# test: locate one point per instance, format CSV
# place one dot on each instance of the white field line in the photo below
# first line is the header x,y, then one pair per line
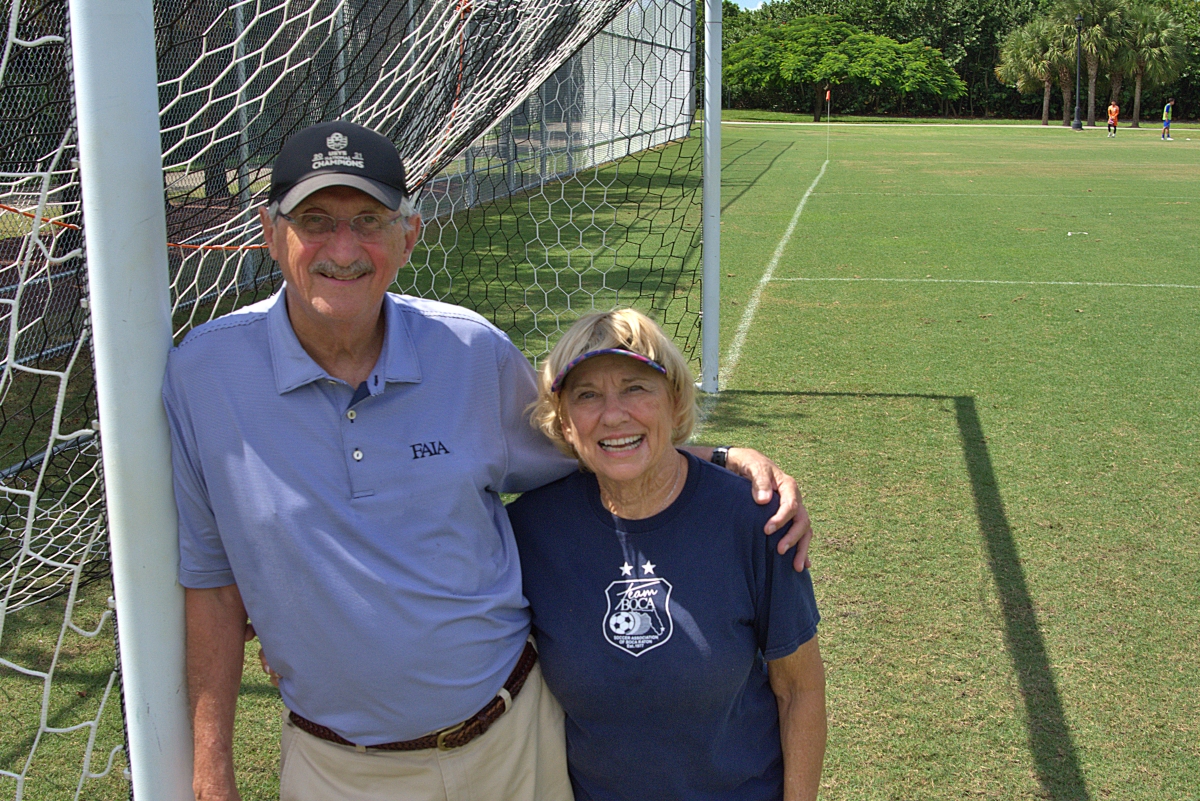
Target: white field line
x,y
729,363
987,281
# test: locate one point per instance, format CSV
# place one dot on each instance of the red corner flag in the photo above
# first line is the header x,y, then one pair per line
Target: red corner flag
x,y
826,95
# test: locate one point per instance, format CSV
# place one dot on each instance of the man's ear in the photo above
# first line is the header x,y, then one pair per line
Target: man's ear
x,y
414,233
268,231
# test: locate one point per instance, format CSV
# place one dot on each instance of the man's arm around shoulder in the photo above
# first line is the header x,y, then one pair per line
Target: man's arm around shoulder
x,y
766,479
216,631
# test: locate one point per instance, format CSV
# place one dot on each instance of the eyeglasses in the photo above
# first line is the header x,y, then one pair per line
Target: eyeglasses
x,y
315,226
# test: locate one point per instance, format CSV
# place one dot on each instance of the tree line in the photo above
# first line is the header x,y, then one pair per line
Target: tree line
x,y
914,38
809,56
1122,40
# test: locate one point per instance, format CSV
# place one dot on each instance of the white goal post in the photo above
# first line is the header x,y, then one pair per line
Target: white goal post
x,y
126,246
711,336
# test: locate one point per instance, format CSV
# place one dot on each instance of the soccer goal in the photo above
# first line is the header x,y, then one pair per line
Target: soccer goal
x,y
552,146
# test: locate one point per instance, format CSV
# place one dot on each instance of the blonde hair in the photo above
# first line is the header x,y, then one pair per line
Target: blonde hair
x,y
627,329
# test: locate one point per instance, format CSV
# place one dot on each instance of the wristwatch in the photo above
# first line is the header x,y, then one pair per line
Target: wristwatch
x,y
719,455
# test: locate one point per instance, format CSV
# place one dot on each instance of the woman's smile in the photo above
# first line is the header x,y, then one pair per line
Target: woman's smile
x,y
621,444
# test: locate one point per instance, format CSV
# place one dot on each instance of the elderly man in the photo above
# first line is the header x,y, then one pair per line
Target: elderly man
x,y
339,453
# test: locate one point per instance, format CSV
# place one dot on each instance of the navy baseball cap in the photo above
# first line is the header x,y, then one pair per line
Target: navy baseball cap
x,y
336,154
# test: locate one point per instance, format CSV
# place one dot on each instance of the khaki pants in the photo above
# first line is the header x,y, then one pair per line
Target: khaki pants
x,y
522,757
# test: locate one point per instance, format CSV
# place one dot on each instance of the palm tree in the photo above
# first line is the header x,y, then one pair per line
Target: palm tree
x,y
1103,21
1120,65
1027,61
1154,47
1061,37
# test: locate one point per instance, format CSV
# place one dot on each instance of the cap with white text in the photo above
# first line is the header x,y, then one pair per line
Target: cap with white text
x,y
336,154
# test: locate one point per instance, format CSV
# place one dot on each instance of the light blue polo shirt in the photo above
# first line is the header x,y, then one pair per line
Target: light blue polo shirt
x,y
367,539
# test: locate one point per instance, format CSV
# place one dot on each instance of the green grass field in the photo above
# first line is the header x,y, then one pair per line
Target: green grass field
x,y
994,424
1002,476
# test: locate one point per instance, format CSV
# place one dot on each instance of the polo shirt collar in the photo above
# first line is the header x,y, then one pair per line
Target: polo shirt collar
x,y
399,356
294,367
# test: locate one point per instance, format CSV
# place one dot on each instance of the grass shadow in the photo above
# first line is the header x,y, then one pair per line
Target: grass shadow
x,y
748,185
1049,736
1056,760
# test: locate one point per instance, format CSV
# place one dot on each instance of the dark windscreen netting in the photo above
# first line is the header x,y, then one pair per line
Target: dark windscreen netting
x,y
49,502
56,649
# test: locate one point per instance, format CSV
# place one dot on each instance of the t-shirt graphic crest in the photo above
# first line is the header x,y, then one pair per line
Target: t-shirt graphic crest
x,y
638,617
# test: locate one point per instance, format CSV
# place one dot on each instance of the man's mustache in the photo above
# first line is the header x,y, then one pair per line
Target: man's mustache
x,y
341,272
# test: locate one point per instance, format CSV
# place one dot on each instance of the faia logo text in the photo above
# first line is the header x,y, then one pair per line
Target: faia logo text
x,y
422,450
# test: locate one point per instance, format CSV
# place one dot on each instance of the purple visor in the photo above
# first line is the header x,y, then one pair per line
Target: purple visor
x,y
571,365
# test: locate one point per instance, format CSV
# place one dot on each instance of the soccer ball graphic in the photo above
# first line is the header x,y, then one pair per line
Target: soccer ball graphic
x,y
629,623
337,141
623,622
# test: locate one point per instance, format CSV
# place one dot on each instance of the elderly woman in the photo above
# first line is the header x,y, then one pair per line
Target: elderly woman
x,y
682,647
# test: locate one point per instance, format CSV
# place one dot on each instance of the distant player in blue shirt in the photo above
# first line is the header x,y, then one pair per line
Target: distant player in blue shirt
x,y
680,643
1167,109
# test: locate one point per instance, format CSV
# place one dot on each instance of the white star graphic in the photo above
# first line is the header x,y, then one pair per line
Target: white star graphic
x,y
648,568
626,569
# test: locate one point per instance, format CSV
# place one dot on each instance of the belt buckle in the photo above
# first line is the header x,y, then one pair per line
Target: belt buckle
x,y
441,736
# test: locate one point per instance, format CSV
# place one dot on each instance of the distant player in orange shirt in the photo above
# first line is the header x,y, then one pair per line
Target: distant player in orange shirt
x,y
1113,111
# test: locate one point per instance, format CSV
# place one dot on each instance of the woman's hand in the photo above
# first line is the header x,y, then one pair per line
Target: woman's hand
x,y
766,478
262,656
798,681
271,674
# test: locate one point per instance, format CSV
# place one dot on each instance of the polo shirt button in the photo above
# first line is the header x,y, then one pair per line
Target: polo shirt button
x,y
351,414
357,455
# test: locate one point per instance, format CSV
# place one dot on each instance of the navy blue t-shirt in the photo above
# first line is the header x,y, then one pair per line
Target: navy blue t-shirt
x,y
653,633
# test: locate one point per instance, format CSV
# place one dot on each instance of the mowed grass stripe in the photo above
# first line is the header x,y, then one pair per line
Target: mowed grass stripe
x,y
1089,404
991,281
1041,196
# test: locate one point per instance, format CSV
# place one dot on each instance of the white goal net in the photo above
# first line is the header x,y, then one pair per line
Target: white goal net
x,y
549,141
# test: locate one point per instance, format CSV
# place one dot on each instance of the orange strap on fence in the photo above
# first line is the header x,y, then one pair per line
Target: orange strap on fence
x,y
74,227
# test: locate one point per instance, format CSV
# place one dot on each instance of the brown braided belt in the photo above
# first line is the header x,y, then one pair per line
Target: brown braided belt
x,y
454,736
